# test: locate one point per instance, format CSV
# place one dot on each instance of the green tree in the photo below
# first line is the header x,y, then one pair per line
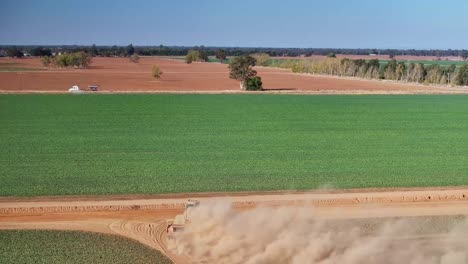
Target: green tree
x,y
202,55
241,69
40,52
255,84
14,52
461,77
192,55
356,65
464,54
83,59
130,50
221,55
78,59
331,55
93,51
363,69
373,69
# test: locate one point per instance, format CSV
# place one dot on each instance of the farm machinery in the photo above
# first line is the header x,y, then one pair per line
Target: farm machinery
x,y
179,221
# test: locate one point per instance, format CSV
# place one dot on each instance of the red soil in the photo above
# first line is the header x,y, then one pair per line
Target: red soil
x,y
120,75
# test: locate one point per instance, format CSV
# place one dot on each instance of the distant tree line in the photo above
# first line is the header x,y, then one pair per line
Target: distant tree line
x,y
161,50
373,69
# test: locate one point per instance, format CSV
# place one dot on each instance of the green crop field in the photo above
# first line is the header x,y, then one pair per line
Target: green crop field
x,y
442,63
275,62
148,144
49,247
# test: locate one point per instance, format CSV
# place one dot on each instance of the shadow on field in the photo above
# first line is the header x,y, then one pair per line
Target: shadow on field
x,y
279,89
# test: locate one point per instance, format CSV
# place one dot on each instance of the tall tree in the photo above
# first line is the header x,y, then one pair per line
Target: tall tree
x,y
464,54
390,70
241,69
40,52
93,50
221,55
192,55
434,74
130,50
203,55
420,72
450,72
400,71
461,77
14,52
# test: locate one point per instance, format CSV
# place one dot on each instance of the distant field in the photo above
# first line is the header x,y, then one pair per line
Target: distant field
x,y
147,144
37,247
442,63
277,62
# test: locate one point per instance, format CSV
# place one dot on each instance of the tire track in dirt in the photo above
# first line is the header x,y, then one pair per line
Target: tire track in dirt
x,y
149,233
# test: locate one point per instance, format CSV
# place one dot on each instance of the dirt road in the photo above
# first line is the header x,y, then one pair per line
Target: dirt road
x,y
144,218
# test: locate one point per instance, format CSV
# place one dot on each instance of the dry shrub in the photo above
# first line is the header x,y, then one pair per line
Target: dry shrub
x,y
156,72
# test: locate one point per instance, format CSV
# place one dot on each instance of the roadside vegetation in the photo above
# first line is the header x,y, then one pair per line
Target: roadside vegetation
x,y
126,144
47,246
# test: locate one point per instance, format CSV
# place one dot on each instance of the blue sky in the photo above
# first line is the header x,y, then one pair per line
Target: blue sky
x,y
419,24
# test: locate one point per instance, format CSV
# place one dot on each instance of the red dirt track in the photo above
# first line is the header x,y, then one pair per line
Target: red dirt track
x,y
120,75
144,219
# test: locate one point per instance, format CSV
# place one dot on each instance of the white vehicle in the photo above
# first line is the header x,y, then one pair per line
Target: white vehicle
x,y
75,89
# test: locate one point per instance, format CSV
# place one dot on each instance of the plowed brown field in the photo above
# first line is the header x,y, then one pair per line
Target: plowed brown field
x,y
120,75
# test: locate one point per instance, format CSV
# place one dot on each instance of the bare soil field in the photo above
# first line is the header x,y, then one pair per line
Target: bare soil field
x,y
120,75
144,219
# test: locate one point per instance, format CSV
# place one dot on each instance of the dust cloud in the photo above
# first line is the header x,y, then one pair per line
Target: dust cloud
x,y
219,234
